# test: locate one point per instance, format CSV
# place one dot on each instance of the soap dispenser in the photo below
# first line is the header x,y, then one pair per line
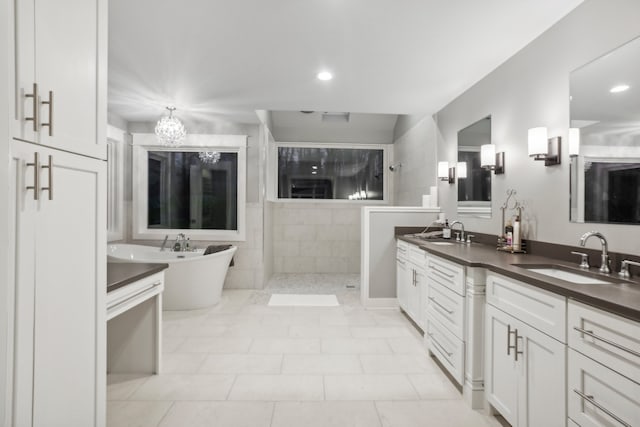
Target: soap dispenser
x,y
446,230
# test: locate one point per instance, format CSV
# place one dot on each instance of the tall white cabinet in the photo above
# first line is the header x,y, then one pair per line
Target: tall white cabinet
x,y
56,176
60,75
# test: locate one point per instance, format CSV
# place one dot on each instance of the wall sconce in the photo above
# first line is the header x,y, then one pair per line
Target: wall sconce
x,y
462,170
491,160
541,147
445,173
574,142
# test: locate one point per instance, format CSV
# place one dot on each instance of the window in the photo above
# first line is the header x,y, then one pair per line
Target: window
x,y
197,189
321,172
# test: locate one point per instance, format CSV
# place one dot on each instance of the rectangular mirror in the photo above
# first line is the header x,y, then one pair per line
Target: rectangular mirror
x,y
604,138
474,190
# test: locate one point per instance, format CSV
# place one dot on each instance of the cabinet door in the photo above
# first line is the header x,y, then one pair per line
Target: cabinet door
x,y
542,379
70,295
413,303
22,283
402,274
501,374
61,46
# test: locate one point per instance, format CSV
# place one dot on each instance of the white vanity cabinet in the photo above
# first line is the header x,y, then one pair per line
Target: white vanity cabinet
x,y
454,310
603,368
58,289
410,281
525,353
60,56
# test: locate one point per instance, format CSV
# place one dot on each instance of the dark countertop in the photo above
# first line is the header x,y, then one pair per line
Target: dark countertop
x,y
120,274
620,297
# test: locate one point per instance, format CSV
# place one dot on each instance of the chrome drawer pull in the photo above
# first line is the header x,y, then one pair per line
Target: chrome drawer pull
x,y
50,104
509,346
440,305
50,170
591,400
440,346
604,340
450,276
34,118
36,176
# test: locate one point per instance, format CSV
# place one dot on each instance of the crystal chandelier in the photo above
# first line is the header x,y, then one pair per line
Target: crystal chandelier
x,y
170,130
210,157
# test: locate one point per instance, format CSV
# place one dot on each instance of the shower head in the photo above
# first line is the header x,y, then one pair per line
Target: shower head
x,y
394,167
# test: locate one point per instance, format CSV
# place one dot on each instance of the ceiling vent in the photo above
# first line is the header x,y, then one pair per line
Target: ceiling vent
x,y
335,117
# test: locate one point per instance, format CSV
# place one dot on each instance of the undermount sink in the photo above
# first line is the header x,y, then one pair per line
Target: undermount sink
x,y
562,274
441,243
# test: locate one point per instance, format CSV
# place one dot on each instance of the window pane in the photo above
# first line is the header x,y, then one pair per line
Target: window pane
x,y
330,173
185,192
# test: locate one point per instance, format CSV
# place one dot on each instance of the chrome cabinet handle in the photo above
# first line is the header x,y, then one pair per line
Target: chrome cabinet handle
x,y
34,118
516,346
414,277
591,400
509,346
36,176
435,301
440,346
606,341
50,170
50,104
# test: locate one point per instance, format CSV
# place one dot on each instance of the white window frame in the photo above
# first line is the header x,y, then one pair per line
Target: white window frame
x,y
273,171
143,143
115,183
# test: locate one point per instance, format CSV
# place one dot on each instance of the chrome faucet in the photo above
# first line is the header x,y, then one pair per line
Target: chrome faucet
x,y
164,243
461,229
604,264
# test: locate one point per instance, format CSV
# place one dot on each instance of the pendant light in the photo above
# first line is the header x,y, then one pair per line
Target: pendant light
x,y
169,130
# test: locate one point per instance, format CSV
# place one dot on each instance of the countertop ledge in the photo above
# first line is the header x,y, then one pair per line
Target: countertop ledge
x,y
120,274
621,297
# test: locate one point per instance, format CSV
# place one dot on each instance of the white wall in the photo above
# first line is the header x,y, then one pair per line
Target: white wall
x,y
416,150
532,89
316,237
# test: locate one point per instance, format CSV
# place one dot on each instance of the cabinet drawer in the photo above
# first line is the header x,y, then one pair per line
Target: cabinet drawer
x,y
448,274
598,396
447,307
417,256
537,307
612,340
446,347
401,249
128,296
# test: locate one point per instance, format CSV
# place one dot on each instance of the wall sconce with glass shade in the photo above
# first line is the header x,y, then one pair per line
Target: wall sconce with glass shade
x,y
491,160
445,173
574,142
541,147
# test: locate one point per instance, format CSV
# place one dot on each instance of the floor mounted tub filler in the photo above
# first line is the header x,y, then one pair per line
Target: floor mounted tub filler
x,y
192,281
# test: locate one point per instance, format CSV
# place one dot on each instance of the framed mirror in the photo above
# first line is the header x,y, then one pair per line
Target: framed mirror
x,y
474,189
604,138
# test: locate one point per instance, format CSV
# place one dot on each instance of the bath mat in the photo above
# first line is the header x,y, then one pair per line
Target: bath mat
x,y
301,300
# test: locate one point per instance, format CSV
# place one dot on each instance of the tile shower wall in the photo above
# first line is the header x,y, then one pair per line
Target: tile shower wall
x,y
316,238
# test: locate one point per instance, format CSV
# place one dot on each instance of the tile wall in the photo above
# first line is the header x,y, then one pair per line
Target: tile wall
x,y
316,238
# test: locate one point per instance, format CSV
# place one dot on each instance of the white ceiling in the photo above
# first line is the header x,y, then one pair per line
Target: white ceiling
x,y
223,59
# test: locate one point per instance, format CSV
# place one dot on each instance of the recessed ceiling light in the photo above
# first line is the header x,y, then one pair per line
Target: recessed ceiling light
x,y
324,75
314,172
619,88
314,167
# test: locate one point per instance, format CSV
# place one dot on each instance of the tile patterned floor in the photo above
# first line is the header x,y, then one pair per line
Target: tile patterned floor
x,y
243,363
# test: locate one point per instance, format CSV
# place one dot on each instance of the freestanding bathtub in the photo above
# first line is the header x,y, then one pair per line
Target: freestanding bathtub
x,y
192,281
